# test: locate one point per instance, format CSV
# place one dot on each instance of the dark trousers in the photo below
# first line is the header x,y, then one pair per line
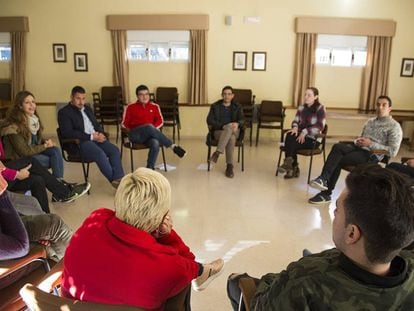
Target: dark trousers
x,y
399,167
340,156
292,146
234,292
40,179
151,137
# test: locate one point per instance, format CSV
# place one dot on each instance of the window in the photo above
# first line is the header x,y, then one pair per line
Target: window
x,y
158,46
5,48
342,51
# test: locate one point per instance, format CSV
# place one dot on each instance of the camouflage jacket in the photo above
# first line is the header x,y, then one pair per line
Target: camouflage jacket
x,y
330,281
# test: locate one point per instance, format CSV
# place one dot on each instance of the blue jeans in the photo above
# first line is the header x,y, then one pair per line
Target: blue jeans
x,y
51,158
151,137
106,156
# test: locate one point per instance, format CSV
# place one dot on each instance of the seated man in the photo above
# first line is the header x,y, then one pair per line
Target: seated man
x,y
374,220
380,132
17,232
77,121
132,256
225,118
406,168
143,118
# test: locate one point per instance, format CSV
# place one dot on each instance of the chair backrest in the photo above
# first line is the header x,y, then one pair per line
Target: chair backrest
x,y
246,99
108,108
273,110
39,300
167,99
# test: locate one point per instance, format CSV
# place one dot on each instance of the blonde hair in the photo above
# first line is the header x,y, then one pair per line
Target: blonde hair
x,y
143,199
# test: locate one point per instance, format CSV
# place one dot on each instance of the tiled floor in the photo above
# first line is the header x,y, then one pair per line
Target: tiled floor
x,y
256,221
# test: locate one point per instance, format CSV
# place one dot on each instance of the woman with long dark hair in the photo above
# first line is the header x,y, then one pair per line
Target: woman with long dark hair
x,y
309,121
22,135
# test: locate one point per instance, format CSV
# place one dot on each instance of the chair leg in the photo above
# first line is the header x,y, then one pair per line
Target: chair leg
x,y
242,152
278,162
251,133
117,133
310,168
208,158
178,131
257,133
173,133
163,158
238,154
132,159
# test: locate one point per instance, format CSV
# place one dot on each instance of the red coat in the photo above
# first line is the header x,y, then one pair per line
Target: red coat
x,y
138,114
109,261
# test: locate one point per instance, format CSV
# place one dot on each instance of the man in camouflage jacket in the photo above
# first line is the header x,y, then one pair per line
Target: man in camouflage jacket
x,y
374,220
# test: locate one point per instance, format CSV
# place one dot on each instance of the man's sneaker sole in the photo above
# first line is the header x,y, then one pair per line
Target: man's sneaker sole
x,y
324,201
78,195
207,282
318,186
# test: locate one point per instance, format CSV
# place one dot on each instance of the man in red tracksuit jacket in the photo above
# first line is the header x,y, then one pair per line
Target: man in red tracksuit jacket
x,y
143,118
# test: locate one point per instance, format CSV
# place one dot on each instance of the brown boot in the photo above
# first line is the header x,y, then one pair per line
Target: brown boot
x,y
229,171
214,157
292,173
286,166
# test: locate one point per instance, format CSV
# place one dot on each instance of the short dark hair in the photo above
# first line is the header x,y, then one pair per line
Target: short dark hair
x,y
77,89
227,87
380,202
140,88
386,98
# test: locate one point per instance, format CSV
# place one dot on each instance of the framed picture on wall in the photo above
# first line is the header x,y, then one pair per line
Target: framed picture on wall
x,y
59,52
239,60
259,61
407,67
80,61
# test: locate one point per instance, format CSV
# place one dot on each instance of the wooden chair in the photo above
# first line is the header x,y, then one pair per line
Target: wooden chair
x,y
108,107
30,268
167,99
211,142
246,99
269,113
318,148
125,142
74,157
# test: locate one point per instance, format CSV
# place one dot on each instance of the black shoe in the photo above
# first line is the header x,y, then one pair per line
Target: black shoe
x,y
229,171
77,191
70,185
179,151
320,198
319,183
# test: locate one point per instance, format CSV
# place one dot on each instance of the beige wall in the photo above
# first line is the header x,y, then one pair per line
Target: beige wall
x,y
81,25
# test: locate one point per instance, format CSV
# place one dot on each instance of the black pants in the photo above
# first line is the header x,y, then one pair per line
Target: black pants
x,y
292,146
40,179
340,156
399,167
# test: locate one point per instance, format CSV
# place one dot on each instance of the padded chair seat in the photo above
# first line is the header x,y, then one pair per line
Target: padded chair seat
x,y
270,119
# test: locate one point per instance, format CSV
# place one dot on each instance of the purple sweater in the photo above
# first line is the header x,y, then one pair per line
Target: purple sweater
x,y
14,241
309,122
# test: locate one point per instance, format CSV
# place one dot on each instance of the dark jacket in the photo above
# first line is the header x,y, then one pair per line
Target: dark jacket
x,y
71,122
215,118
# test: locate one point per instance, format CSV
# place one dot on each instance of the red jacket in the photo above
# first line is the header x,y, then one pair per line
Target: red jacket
x,y
138,114
109,261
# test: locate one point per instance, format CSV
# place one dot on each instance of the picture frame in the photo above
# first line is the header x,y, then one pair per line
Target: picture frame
x,y
239,60
80,61
259,61
407,67
59,52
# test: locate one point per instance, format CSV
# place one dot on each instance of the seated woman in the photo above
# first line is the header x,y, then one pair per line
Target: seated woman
x,y
309,121
132,256
28,174
22,135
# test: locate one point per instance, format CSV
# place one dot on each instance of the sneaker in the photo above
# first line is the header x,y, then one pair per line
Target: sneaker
x,y
211,271
229,171
115,183
214,157
319,183
77,191
286,166
179,151
320,198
